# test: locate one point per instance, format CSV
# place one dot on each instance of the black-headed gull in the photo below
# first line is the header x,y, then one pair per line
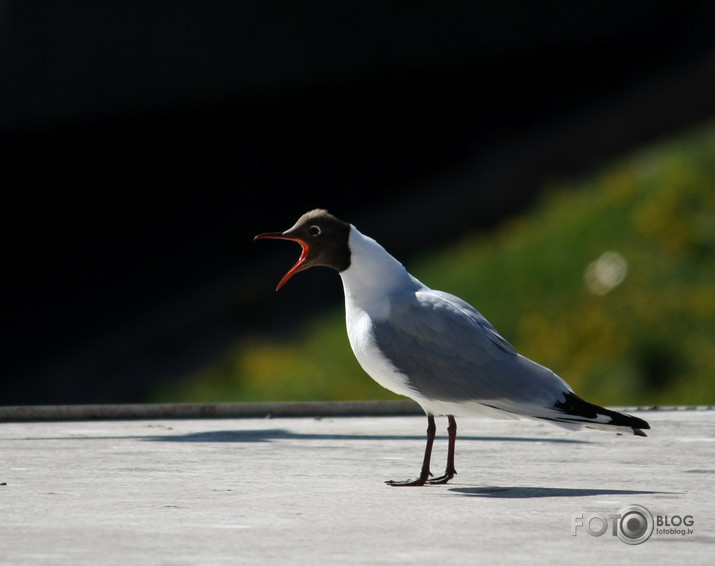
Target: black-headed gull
x,y
434,347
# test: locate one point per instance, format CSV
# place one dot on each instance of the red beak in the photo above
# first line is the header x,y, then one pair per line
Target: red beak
x,y
299,264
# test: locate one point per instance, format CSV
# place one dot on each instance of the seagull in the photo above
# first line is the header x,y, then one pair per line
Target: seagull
x,y
432,346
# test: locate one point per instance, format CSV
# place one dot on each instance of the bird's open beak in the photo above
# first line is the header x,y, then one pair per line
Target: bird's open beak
x,y
300,264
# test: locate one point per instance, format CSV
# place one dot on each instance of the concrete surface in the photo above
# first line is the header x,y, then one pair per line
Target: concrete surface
x,y
311,491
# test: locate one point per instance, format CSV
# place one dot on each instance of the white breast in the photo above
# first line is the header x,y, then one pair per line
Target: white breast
x,y
369,355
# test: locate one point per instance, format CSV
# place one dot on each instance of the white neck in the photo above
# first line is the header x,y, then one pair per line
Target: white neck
x,y
373,276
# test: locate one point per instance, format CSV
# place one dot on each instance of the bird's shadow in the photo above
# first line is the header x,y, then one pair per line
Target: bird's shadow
x,y
268,435
529,492
276,434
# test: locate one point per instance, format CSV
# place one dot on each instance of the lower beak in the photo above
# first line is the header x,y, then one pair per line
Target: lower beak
x,y
301,260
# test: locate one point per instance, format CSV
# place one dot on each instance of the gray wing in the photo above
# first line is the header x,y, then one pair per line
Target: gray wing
x,y
449,352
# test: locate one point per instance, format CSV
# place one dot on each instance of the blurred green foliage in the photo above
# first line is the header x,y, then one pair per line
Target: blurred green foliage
x,y
609,281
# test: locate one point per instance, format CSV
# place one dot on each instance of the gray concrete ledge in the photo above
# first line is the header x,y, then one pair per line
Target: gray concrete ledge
x,y
28,413
206,410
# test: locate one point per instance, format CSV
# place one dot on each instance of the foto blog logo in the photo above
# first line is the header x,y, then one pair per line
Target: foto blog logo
x,y
633,524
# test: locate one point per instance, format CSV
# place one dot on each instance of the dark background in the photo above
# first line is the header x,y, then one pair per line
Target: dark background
x,y
144,144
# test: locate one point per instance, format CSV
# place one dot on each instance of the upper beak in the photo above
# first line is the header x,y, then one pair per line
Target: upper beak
x,y
301,260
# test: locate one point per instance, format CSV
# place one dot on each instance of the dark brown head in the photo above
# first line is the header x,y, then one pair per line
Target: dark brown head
x,y
324,239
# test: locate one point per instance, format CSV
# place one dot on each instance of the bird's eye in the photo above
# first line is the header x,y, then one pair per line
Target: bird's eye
x,y
314,230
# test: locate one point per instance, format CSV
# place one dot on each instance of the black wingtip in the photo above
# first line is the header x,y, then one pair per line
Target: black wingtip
x,y
575,406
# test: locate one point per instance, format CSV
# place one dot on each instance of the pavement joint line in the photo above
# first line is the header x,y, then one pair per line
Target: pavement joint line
x,y
302,409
